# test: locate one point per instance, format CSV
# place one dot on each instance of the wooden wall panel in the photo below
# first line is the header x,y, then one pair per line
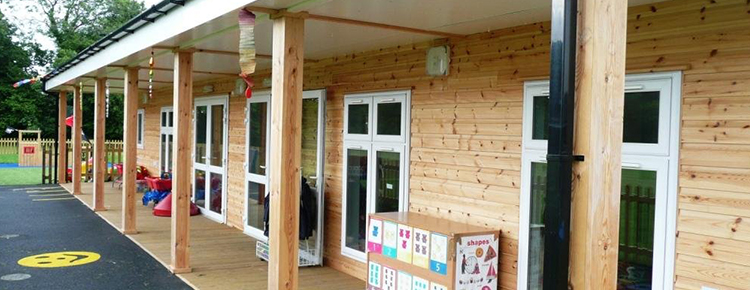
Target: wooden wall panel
x,y
466,128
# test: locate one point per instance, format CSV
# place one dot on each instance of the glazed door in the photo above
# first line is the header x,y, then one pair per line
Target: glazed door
x,y
258,148
258,142
166,138
209,163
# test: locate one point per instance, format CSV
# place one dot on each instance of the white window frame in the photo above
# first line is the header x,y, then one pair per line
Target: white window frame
x,y
169,130
662,157
207,167
372,143
140,119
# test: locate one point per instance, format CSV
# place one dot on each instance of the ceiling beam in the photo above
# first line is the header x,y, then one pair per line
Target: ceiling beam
x,y
172,70
274,13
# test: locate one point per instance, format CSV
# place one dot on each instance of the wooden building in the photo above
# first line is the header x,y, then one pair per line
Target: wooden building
x,y
343,95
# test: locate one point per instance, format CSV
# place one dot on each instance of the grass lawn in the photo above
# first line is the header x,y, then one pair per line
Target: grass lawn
x,y
21,176
9,158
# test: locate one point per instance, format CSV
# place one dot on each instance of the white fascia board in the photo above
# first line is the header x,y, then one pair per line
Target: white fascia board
x,y
178,20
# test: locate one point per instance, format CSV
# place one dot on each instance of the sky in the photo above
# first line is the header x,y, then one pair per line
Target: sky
x,y
12,9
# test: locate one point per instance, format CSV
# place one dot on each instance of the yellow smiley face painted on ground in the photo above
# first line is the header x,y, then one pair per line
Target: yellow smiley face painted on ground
x,y
59,259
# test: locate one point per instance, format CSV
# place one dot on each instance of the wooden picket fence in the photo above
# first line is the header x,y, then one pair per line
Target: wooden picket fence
x,y
112,150
8,146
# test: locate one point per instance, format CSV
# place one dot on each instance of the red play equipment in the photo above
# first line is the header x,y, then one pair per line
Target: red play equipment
x,y
164,207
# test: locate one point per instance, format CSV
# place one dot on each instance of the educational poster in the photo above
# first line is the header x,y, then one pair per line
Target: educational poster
x,y
476,263
421,256
375,236
438,253
390,239
404,281
373,275
404,243
436,286
419,283
389,278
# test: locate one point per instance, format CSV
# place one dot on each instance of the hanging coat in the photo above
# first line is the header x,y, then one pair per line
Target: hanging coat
x,y
308,212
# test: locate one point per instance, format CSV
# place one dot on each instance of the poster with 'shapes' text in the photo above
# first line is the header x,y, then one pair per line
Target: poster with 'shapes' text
x,y
375,236
476,263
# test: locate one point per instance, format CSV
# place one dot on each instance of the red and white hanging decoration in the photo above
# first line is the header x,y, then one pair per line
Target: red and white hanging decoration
x,y
247,49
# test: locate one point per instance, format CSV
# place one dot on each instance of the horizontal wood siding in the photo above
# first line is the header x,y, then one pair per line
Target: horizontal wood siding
x,y
466,130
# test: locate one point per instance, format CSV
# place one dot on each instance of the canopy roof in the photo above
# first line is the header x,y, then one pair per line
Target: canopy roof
x,y
212,25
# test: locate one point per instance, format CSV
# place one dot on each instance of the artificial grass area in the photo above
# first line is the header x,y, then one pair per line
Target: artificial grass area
x,y
21,176
9,158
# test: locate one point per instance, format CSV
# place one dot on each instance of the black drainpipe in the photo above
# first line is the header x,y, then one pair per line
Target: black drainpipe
x,y
560,144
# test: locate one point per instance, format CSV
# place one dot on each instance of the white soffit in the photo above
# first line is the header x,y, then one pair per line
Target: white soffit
x,y
199,19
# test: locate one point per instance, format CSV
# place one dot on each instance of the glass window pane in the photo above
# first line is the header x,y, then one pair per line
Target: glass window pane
x,y
217,135
201,113
358,119
170,119
163,151
256,196
140,129
199,194
258,138
540,115
216,192
389,119
169,152
163,119
310,140
637,210
641,118
356,198
388,178
536,225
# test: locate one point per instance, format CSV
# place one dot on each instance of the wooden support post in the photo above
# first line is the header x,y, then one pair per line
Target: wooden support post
x,y
286,122
62,133
600,95
100,159
183,106
130,104
77,139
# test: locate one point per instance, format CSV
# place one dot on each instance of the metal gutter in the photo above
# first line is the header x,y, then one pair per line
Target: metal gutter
x,y
139,21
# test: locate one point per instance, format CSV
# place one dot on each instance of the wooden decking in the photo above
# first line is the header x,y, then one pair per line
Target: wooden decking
x,y
221,257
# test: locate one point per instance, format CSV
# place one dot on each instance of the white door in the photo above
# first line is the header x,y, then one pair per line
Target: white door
x,y
210,151
258,142
166,138
258,146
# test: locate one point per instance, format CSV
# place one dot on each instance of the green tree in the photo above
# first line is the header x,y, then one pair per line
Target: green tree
x,y
73,25
24,107
76,24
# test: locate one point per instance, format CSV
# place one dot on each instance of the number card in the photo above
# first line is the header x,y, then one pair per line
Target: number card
x,y
389,278
373,276
421,256
375,236
404,243
390,239
438,253
419,283
404,281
